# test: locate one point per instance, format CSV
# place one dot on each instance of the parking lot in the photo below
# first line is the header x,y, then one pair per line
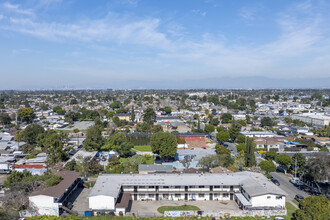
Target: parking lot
x,y
149,208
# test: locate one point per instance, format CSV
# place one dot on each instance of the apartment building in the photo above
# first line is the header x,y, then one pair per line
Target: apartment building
x,y
249,190
315,119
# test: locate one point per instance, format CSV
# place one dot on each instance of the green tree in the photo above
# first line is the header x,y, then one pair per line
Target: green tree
x,y
149,116
270,155
313,207
4,118
222,150
226,118
116,104
26,114
241,147
54,149
132,114
144,127
117,139
30,133
249,154
59,110
240,139
284,160
168,110
223,136
164,144
209,128
299,160
267,166
157,128
72,165
73,102
266,121
124,149
94,140
317,167
234,131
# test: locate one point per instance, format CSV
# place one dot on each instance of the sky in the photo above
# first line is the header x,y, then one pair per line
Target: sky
x,y
160,44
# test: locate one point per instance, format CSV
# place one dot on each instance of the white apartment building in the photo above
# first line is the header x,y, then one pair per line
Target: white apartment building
x,y
112,192
315,119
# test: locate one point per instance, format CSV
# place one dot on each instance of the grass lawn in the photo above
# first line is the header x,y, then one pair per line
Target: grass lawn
x,y
290,209
296,202
143,148
162,209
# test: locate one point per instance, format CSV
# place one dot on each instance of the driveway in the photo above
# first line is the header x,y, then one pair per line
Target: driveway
x,y
288,187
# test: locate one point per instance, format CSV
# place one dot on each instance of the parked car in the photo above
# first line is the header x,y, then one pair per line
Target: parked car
x,y
279,218
296,181
298,197
158,160
275,181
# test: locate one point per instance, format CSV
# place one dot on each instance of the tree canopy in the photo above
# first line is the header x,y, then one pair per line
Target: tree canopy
x,y
223,136
267,166
313,207
26,114
164,144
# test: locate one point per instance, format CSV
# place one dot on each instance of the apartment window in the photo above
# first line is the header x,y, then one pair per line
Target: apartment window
x,y
216,195
142,187
216,187
201,195
278,197
151,196
201,186
165,187
177,187
268,197
192,187
226,195
225,187
177,195
151,187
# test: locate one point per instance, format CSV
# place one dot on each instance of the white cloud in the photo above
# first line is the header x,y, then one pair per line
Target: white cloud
x,y
17,9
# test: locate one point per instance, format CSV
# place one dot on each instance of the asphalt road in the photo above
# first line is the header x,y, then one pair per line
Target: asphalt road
x,y
232,147
288,187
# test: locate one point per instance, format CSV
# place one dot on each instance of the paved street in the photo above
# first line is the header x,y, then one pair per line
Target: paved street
x,y
287,186
232,147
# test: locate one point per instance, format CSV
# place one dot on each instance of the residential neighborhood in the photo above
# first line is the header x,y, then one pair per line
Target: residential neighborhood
x,y
220,153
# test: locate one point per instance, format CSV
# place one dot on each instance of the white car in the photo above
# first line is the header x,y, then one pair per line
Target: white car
x,y
279,218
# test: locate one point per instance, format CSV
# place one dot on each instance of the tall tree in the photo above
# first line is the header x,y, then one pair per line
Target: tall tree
x,y
94,139
317,167
267,166
249,154
226,118
149,116
30,133
4,118
132,114
284,160
164,144
26,114
54,149
223,136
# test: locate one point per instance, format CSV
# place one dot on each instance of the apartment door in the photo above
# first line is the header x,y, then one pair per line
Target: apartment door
x,y
211,188
231,188
157,188
135,188
186,196
231,196
211,196
135,196
157,197
186,188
